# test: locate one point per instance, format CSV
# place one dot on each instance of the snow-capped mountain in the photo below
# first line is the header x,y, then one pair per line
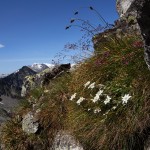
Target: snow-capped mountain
x,y
11,84
49,65
40,67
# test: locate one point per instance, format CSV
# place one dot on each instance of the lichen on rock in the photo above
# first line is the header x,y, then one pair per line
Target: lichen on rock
x,y
29,123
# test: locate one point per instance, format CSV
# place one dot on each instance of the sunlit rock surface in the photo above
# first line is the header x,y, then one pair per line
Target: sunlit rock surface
x,y
123,6
29,123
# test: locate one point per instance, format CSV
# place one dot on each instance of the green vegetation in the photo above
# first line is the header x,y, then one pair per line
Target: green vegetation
x,y
104,102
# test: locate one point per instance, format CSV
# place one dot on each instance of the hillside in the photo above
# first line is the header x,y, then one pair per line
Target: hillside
x,y
102,104
11,84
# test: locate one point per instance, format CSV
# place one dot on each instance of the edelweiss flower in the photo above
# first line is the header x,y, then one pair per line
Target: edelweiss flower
x,y
97,110
46,91
96,98
80,100
99,92
91,86
86,84
107,100
125,98
73,96
114,107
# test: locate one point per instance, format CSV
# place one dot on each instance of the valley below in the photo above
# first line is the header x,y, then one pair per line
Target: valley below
x,y
7,105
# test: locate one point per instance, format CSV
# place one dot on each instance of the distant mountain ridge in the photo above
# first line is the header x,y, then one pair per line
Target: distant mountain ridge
x,y
38,67
11,84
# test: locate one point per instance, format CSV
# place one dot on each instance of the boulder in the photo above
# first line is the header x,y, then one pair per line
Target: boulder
x,y
29,123
65,141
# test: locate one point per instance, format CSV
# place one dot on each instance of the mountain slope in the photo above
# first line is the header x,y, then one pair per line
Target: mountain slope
x,y
11,85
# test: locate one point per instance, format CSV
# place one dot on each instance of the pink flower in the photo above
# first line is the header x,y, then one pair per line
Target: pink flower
x,y
138,44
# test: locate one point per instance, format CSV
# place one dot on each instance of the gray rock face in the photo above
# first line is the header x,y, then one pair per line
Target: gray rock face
x,y
29,123
140,9
11,85
38,67
144,23
123,6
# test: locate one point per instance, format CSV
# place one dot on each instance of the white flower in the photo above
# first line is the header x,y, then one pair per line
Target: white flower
x,y
46,91
86,84
96,98
89,109
106,113
114,107
92,85
80,100
99,92
107,100
97,110
125,98
101,86
73,96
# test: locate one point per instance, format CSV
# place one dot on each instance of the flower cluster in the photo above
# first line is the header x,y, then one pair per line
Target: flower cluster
x,y
99,99
80,100
97,96
138,44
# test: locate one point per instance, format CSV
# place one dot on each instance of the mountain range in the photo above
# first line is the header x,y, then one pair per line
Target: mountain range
x,y
11,85
40,67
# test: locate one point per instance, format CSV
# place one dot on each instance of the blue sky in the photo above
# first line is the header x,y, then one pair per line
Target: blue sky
x,y
33,31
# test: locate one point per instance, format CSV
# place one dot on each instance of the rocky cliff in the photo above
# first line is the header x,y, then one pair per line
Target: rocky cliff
x,y
11,85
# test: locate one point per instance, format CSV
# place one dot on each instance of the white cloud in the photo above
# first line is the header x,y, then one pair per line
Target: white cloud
x,y
1,46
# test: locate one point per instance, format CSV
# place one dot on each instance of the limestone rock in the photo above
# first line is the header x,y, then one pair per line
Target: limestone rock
x,y
123,6
65,141
29,123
